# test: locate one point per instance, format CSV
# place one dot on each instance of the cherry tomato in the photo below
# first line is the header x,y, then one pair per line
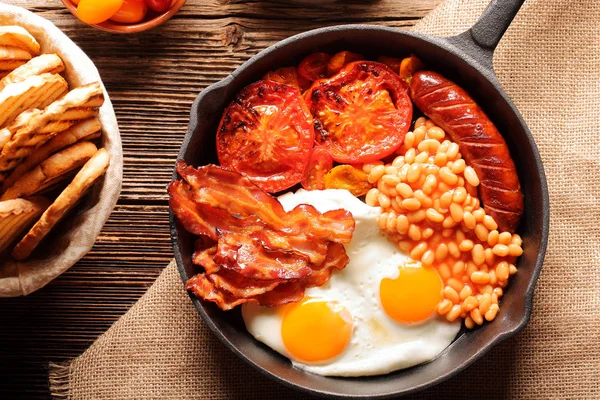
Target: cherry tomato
x,y
319,163
409,66
348,177
362,113
392,62
266,133
131,11
289,76
340,59
314,66
159,6
97,11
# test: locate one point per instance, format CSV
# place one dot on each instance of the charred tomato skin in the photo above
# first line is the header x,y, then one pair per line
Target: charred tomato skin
x,y
362,113
266,133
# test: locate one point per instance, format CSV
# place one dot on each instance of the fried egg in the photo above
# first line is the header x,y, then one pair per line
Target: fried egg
x,y
375,316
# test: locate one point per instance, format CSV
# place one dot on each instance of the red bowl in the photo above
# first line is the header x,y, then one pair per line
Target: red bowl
x,y
141,26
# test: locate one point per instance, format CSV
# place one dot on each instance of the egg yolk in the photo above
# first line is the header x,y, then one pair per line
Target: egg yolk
x,y
316,330
413,296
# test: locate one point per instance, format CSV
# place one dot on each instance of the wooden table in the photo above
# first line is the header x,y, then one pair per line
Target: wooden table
x,y
152,79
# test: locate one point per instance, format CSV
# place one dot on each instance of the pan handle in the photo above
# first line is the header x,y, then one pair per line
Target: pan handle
x,y
481,40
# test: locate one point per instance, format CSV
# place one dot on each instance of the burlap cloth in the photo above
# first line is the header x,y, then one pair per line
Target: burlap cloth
x,y
549,63
75,235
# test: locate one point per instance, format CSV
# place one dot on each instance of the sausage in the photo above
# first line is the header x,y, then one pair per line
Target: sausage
x,y
480,143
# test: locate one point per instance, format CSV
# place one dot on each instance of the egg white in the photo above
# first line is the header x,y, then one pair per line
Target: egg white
x,y
379,345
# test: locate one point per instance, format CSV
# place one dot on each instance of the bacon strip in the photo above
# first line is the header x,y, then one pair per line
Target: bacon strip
x,y
253,250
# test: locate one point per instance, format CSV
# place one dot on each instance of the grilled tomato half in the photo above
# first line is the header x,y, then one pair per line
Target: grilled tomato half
x,y
266,134
362,113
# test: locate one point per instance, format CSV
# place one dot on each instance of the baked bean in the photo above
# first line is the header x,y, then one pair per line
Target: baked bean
x,y
512,269
391,221
445,306
428,146
471,176
489,223
409,156
403,171
455,284
383,200
441,252
382,221
420,133
447,232
402,224
404,190
428,258
490,258
458,269
411,204
470,303
434,216
480,277
440,159
420,121
492,239
479,214
396,206
493,279
398,161
458,166
459,195
502,271
516,239
498,292
485,302
465,245
491,312
476,316
505,238
501,250
469,220
485,289
376,173
414,217
422,157
436,133
454,250
448,176
414,173
456,212
371,197
465,292
430,184
454,313
469,323
514,250
414,232
478,254
481,231
427,233
405,245
391,179
470,268
409,139
451,294
418,251
446,199
452,151
449,223
444,271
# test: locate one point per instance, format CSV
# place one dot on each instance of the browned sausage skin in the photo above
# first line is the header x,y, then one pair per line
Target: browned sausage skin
x,y
480,143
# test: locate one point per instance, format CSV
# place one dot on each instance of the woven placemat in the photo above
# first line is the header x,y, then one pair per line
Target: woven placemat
x,y
549,63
